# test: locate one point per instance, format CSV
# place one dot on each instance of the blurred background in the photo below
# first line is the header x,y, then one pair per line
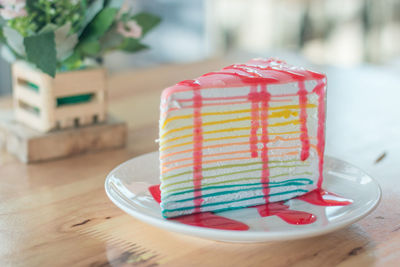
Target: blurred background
x,y
330,32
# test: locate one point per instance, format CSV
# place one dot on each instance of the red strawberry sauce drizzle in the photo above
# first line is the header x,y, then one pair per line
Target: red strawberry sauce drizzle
x,y
320,197
282,211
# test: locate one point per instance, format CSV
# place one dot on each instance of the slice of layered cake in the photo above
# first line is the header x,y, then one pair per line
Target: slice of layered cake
x,y
246,135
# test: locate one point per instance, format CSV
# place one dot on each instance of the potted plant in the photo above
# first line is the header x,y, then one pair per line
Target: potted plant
x,y
57,48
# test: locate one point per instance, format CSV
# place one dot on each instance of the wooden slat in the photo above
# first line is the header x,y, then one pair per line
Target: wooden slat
x,y
21,70
78,110
79,82
26,116
28,96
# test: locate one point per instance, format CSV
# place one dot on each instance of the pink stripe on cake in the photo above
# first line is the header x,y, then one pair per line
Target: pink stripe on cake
x,y
319,90
265,96
197,149
254,121
305,142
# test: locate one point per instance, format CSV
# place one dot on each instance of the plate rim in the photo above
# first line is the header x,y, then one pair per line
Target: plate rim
x,y
232,235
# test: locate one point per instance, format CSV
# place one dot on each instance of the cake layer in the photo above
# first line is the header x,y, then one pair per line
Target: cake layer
x,y
246,135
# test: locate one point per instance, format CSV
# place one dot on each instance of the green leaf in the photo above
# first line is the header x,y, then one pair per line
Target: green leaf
x,y
72,62
8,54
110,41
147,21
2,38
95,7
30,4
2,21
14,40
100,24
114,3
132,45
50,27
90,48
41,51
65,42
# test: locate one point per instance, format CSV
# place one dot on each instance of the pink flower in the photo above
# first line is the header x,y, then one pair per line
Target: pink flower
x,y
12,9
130,29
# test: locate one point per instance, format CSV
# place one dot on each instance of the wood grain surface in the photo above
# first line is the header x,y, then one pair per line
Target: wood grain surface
x,y
57,213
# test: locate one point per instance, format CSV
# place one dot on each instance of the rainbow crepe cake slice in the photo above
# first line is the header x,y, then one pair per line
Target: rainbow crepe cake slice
x,y
246,135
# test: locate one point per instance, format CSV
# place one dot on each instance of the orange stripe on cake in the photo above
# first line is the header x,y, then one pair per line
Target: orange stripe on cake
x,y
224,137
165,170
228,153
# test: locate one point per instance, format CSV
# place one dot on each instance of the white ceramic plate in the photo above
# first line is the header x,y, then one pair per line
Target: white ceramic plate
x,y
127,186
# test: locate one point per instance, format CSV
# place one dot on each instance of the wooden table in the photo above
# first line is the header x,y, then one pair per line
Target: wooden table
x,y
57,213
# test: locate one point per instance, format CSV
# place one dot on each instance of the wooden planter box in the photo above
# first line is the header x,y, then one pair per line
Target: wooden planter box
x,y
71,99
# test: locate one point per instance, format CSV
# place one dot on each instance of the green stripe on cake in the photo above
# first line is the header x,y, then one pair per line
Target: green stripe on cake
x,y
292,182
232,181
236,191
233,201
232,173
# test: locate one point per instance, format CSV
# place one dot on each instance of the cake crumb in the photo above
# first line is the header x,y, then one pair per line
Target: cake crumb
x,y
380,158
